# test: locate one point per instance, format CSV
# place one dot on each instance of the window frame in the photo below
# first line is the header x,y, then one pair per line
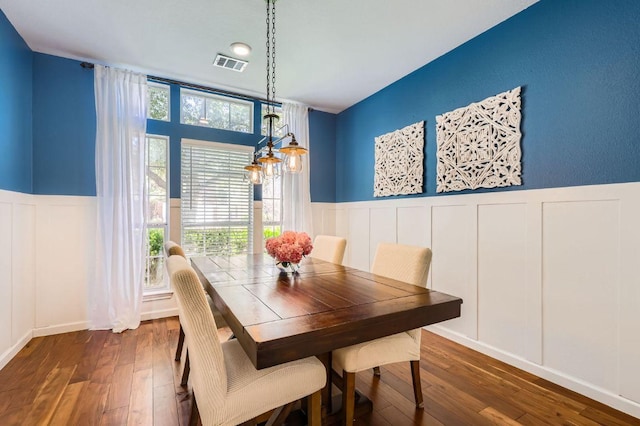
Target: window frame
x,y
165,287
272,225
229,147
228,99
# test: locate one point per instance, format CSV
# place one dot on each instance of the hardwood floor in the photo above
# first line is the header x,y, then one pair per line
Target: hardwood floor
x,y
101,378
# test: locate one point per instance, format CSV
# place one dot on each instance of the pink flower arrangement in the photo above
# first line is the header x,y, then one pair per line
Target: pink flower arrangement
x,y
289,247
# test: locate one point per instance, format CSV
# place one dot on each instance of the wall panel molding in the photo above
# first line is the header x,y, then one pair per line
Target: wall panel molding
x,y
548,276
461,226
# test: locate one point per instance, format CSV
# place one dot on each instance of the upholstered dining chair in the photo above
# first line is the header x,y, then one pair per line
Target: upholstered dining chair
x,y
405,263
329,248
228,388
172,248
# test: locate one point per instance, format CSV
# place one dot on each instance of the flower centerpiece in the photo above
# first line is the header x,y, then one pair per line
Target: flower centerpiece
x,y
288,249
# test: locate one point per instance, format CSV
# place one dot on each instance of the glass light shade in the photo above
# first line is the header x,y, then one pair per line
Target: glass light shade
x,y
254,173
293,163
271,170
270,166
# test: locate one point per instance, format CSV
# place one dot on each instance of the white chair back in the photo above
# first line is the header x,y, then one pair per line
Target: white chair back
x,y
171,248
409,264
329,248
209,377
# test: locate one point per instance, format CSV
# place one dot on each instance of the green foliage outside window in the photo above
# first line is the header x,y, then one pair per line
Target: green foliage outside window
x,y
271,232
201,109
158,102
216,241
155,241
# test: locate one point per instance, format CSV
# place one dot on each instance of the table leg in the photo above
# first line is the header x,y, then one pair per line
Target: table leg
x,y
326,391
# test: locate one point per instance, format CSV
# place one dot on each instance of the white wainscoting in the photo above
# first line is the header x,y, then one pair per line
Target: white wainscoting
x,y
549,277
17,273
49,246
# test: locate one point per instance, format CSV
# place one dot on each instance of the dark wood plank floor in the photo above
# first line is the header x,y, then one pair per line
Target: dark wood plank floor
x,y
101,378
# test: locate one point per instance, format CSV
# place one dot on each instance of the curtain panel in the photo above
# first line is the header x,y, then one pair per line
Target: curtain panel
x,y
116,292
296,195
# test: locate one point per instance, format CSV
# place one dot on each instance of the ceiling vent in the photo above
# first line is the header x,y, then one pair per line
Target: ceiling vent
x,y
230,63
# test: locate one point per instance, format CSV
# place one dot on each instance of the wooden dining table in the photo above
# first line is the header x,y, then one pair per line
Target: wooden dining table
x,y
279,317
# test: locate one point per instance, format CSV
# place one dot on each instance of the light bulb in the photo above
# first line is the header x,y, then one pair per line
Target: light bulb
x,y
255,177
271,169
293,163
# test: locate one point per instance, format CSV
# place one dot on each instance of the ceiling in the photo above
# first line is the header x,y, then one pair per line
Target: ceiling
x,y
330,54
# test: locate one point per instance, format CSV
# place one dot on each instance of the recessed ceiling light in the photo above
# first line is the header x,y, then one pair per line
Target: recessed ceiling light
x,y
240,49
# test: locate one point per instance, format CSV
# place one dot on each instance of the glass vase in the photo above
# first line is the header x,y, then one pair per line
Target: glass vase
x,y
288,267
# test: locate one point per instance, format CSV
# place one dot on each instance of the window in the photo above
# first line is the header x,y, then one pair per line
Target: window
x,y
216,199
158,101
157,211
272,207
276,123
219,112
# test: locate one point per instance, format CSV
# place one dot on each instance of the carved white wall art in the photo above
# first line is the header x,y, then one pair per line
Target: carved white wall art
x,y
399,157
479,145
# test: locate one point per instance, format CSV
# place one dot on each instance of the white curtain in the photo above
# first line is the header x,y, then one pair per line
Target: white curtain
x,y
296,196
116,292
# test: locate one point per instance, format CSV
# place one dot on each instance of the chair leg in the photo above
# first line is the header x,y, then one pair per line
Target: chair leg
x,y
194,418
185,372
180,343
314,412
348,397
417,386
376,371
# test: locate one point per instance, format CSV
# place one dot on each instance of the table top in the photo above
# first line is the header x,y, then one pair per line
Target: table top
x,y
279,318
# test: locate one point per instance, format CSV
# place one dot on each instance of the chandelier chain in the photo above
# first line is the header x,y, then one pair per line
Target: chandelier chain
x,y
268,45
273,54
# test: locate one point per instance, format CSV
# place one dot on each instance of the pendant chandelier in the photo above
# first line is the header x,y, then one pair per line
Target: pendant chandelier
x,y
266,164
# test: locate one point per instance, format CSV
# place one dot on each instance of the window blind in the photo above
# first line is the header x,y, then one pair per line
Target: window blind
x,y
216,199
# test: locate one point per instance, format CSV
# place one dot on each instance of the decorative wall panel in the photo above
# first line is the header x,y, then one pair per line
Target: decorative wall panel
x,y
479,145
399,157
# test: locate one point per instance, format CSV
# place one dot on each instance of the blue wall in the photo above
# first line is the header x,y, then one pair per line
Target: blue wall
x,y
322,156
16,139
48,126
577,60
64,127
579,64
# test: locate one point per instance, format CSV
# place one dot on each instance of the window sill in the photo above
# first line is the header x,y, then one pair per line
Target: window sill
x,y
157,295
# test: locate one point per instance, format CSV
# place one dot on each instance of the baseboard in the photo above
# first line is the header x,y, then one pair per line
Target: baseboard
x,y
13,351
84,325
601,395
164,313
59,329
